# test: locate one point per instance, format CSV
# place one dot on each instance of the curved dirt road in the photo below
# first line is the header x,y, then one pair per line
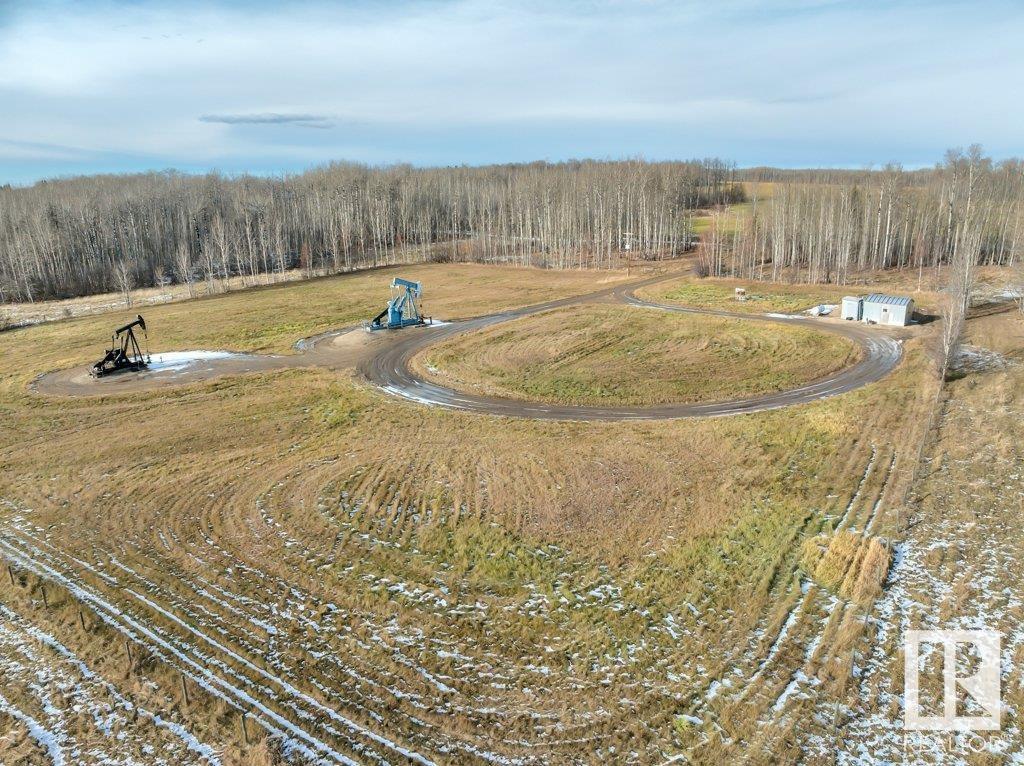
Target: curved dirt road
x,y
390,369
383,358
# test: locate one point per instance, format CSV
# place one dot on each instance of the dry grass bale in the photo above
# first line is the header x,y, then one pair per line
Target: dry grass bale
x,y
848,563
874,566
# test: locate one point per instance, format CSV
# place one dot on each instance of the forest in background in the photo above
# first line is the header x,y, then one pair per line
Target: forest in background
x,y
88,235
96,234
824,225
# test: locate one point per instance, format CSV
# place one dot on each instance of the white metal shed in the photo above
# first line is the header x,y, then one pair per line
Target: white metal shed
x,y
887,309
853,306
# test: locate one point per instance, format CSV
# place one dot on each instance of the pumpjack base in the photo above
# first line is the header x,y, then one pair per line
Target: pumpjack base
x,y
127,368
399,325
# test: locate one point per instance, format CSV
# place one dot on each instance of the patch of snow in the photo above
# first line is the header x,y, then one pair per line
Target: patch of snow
x,y
823,310
174,361
43,736
977,359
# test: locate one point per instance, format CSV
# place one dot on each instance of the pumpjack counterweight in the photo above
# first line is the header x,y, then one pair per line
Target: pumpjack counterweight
x,y
124,352
403,309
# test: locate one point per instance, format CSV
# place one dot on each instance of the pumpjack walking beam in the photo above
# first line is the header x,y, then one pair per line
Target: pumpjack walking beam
x,y
124,352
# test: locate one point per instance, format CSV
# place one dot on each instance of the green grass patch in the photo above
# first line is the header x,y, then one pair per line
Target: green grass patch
x,y
623,355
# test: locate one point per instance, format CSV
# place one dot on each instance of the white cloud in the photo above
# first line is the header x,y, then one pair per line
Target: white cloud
x,y
198,84
270,118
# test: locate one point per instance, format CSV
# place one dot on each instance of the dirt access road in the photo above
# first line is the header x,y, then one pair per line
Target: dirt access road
x,y
383,359
390,368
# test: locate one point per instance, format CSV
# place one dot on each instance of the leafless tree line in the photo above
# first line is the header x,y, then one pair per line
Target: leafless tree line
x,y
822,226
95,234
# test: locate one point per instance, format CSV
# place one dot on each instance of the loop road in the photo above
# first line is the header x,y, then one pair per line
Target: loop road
x,y
383,358
390,368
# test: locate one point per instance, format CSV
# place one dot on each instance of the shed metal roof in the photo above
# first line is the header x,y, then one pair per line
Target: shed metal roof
x,y
890,300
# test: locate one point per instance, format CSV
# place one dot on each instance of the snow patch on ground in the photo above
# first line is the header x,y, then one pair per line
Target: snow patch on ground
x,y
45,738
174,361
823,310
978,359
85,718
960,568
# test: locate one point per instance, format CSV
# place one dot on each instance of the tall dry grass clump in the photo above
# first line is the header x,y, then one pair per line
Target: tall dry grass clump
x,y
848,563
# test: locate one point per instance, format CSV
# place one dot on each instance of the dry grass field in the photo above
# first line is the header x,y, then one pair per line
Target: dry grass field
x,y
623,355
271,319
958,562
767,297
292,565
735,216
141,298
720,294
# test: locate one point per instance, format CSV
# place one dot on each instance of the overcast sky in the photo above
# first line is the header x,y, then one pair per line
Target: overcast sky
x,y
269,87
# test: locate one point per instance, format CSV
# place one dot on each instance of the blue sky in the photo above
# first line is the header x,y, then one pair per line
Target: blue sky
x,y
265,87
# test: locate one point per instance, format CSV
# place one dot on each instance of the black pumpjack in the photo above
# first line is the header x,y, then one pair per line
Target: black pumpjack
x,y
124,352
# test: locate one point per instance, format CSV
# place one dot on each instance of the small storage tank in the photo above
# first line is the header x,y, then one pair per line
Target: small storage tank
x,y
853,308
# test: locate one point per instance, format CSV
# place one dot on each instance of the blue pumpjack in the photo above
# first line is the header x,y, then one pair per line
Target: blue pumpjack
x,y
403,309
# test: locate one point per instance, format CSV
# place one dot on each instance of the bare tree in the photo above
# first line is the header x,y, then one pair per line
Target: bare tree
x,y
217,250
160,278
954,313
1018,290
183,268
962,275
819,226
125,276
64,238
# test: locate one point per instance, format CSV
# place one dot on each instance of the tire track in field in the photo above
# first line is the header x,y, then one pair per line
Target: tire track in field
x,y
788,631
211,667
186,612
34,661
800,677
